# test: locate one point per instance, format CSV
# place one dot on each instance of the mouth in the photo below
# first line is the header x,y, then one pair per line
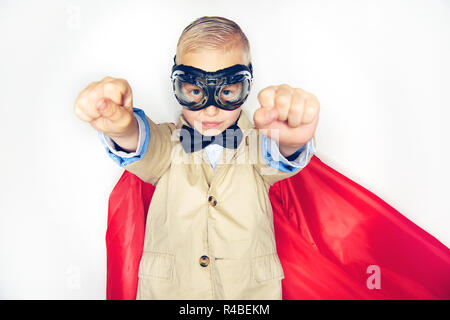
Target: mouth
x,y
210,124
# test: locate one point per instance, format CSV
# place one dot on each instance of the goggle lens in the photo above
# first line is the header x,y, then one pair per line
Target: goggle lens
x,y
196,89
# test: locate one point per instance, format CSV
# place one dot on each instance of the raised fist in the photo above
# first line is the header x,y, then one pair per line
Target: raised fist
x,y
108,106
291,114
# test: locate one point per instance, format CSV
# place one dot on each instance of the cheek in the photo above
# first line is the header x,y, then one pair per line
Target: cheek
x,y
236,114
189,115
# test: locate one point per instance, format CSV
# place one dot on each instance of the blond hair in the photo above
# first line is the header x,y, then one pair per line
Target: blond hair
x,y
213,33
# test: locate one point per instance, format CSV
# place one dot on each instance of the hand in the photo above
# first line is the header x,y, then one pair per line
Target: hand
x,y
289,115
108,106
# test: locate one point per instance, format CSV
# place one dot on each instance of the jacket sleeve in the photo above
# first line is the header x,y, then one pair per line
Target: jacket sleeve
x,y
273,166
153,155
123,157
156,158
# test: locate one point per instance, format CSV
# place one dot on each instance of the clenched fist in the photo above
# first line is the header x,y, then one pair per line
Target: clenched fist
x,y
108,106
287,114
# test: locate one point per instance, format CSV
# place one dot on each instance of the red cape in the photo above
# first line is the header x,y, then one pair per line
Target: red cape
x,y
329,232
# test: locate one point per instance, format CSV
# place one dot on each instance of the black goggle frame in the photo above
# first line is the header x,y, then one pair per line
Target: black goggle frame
x,y
212,83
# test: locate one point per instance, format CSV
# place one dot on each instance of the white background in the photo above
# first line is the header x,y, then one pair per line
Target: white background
x,y
379,68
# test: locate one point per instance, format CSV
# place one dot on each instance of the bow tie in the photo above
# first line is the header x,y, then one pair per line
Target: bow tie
x,y
191,140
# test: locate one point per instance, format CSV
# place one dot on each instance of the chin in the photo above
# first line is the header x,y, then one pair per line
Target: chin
x,y
212,132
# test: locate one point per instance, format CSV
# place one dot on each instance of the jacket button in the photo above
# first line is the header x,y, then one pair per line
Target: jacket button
x,y
212,201
204,261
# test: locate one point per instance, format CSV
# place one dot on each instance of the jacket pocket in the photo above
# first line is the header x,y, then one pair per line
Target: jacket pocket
x,y
156,265
267,267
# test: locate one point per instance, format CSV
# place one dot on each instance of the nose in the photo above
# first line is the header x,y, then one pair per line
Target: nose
x,y
211,111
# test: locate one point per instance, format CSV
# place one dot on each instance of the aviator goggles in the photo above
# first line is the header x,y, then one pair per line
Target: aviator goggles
x,y
226,89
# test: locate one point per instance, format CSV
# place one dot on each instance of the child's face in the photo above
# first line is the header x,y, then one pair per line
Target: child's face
x,y
211,120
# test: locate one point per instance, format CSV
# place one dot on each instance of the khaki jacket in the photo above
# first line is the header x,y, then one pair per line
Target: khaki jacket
x,y
209,233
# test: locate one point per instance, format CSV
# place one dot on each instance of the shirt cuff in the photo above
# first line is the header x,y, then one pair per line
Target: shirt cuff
x,y
275,159
124,158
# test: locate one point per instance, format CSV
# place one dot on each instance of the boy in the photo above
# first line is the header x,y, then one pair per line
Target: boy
x,y
209,232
